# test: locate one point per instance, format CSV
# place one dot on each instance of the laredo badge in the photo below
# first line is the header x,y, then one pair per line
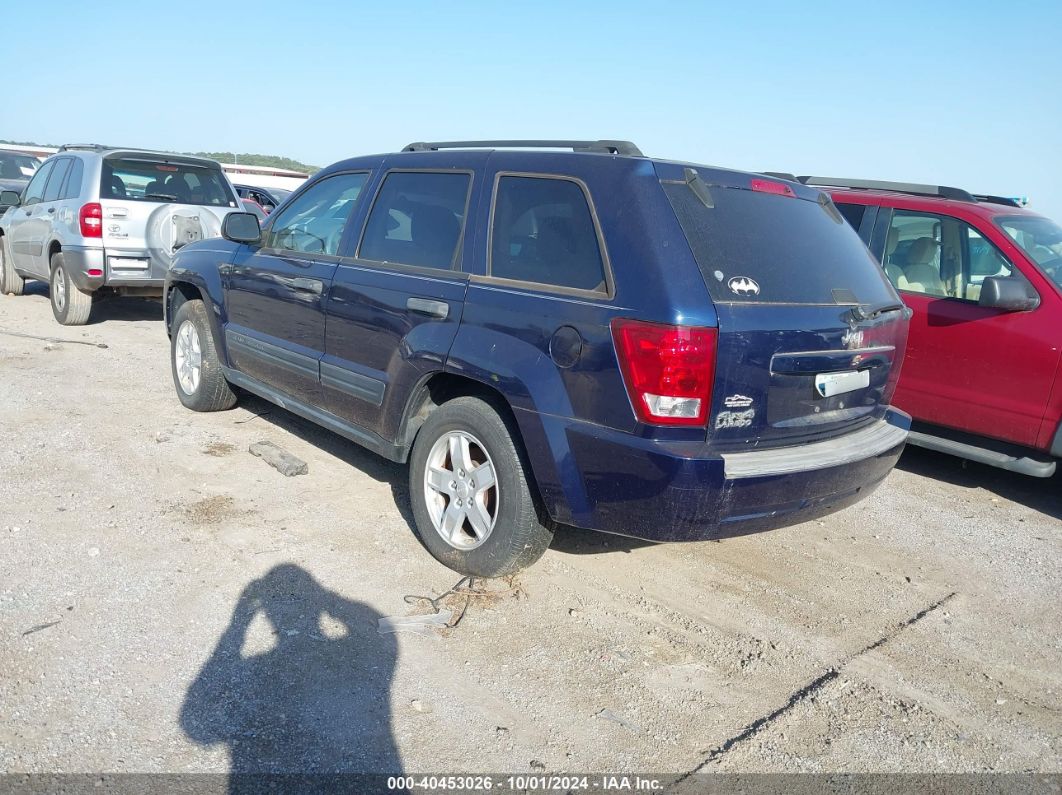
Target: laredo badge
x,y
734,419
743,285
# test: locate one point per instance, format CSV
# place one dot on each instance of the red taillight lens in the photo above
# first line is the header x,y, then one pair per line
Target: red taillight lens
x,y
770,186
668,370
90,219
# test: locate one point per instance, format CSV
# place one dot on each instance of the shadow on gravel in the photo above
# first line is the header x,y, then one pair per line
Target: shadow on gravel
x,y
569,540
128,310
111,307
576,541
317,703
1040,494
352,454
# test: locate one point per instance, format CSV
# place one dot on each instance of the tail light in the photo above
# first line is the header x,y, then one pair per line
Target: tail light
x,y
668,370
90,219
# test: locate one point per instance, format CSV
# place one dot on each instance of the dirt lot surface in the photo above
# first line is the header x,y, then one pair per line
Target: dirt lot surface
x,y
169,602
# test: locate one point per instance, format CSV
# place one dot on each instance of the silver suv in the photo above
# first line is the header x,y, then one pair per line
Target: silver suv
x,y
97,218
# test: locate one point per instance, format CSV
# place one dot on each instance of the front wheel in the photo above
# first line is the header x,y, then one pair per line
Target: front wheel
x,y
197,374
470,490
70,305
10,282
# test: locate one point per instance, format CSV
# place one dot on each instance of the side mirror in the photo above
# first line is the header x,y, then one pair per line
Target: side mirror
x,y
10,198
241,228
1009,293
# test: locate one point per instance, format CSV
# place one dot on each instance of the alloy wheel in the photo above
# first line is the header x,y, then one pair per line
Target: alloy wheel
x,y
461,490
188,357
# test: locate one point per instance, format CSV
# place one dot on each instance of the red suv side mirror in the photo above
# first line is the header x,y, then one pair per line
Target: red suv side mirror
x,y
1009,293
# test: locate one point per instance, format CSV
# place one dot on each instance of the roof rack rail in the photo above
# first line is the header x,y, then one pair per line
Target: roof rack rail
x,y
607,147
958,194
1007,200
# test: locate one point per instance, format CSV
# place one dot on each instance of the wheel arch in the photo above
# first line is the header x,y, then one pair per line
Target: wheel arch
x,y
178,292
530,436
437,388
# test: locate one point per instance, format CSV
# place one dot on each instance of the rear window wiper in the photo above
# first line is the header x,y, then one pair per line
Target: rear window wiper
x,y
871,311
167,196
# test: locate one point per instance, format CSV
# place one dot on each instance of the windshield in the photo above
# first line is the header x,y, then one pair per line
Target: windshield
x,y
14,166
143,179
1040,238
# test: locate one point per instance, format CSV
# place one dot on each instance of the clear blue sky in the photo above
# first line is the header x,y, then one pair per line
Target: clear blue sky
x,y
962,93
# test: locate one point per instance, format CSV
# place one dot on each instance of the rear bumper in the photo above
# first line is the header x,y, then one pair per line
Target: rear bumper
x,y
80,261
613,482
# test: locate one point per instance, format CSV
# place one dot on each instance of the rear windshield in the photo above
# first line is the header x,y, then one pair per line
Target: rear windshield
x,y
757,247
142,179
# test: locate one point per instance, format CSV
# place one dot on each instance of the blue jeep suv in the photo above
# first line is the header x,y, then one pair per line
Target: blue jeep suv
x,y
590,337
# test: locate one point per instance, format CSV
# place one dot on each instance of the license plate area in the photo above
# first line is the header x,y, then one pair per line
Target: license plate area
x,y
830,384
129,263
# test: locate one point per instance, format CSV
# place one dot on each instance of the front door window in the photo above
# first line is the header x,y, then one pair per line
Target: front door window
x,y
939,255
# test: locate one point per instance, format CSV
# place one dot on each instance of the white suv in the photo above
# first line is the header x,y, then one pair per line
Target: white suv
x,y
98,218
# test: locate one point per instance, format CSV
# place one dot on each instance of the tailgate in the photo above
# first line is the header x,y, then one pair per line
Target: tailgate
x,y
787,374
811,334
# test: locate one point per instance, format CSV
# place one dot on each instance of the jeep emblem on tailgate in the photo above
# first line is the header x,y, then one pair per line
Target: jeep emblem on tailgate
x,y
743,285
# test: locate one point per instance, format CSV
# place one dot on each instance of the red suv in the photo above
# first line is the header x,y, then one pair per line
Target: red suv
x,y
983,275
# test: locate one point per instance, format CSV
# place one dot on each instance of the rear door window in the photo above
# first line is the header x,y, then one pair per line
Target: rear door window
x,y
544,233
159,180
853,213
417,219
55,181
72,188
761,247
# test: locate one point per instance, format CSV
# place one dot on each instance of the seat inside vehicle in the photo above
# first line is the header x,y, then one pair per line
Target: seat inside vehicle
x,y
922,273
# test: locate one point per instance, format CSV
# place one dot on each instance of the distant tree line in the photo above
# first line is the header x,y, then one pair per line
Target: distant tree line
x,y
244,158
270,161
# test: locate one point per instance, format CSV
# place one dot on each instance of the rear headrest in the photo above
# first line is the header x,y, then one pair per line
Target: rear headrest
x,y
178,186
922,251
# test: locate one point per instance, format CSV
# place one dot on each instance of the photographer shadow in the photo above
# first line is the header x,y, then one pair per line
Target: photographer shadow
x,y
314,706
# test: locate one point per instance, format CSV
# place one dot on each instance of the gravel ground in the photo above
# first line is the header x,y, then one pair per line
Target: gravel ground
x,y
169,602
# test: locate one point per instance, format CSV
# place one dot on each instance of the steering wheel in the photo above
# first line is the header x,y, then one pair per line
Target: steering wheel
x,y
1053,267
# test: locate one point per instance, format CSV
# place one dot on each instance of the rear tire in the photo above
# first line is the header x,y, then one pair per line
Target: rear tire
x,y
70,305
489,529
10,282
194,362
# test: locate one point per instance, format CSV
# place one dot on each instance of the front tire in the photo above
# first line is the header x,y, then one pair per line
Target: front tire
x,y
196,367
471,495
10,282
70,305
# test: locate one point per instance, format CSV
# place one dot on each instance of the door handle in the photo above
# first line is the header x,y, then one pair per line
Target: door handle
x,y
51,210
307,285
426,306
